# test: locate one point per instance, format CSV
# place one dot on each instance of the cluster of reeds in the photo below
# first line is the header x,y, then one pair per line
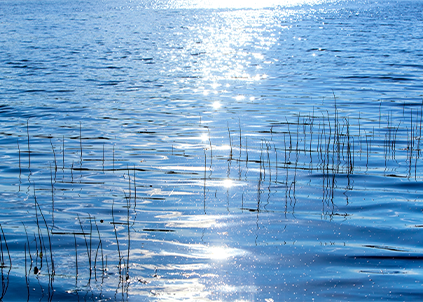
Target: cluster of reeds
x,y
92,262
327,145
323,144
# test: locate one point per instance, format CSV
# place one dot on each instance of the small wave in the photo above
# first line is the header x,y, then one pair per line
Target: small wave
x,y
392,257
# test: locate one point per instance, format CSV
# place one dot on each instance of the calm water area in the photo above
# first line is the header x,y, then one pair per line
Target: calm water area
x,y
177,150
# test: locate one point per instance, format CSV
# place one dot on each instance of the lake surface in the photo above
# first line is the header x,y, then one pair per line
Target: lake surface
x,y
190,150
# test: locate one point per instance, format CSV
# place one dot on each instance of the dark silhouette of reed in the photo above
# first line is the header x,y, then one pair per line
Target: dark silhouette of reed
x,y
319,151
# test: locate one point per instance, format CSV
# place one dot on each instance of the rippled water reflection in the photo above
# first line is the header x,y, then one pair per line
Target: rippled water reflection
x,y
171,150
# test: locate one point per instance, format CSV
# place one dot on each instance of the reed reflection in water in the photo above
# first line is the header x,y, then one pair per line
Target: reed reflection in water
x,y
96,218
159,150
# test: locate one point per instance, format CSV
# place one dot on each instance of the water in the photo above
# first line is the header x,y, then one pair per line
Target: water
x,y
173,150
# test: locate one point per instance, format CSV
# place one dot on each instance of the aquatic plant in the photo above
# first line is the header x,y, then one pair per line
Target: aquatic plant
x,y
100,246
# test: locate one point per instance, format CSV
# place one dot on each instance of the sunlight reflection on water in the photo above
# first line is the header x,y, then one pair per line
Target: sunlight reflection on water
x,y
216,105
205,157
227,183
217,252
239,3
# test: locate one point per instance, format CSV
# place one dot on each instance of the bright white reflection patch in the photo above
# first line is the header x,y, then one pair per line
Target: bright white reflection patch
x,y
227,183
216,105
222,252
204,137
239,3
223,147
218,252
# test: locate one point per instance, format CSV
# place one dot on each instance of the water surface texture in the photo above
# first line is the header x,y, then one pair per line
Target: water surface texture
x,y
206,151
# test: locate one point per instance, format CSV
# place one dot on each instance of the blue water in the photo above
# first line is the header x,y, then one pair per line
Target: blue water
x,y
211,151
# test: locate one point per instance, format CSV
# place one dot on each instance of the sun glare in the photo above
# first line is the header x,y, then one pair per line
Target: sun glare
x,y
218,253
239,3
204,137
227,183
222,252
216,105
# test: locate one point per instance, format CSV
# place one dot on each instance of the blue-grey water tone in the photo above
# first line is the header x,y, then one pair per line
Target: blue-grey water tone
x,y
211,151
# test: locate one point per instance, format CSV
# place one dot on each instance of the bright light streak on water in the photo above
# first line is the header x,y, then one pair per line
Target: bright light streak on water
x,y
204,137
227,183
211,150
237,4
223,253
216,105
